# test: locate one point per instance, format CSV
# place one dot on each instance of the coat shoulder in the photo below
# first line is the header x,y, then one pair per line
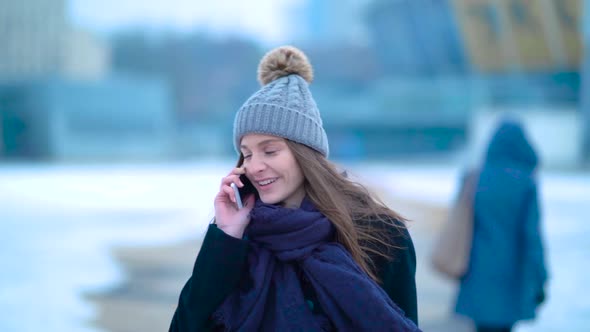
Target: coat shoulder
x,y
394,261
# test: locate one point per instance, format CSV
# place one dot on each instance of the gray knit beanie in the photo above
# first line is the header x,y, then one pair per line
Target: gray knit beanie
x,y
284,106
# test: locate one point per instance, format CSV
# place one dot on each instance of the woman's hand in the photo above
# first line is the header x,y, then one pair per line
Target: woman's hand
x,y
228,217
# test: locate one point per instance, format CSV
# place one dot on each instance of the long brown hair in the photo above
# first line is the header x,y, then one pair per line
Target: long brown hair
x,y
357,215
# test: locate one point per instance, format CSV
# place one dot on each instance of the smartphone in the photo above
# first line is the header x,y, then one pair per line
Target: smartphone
x,y
237,194
243,192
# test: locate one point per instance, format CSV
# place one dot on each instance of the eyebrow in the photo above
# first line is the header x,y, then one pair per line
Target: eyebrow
x,y
270,140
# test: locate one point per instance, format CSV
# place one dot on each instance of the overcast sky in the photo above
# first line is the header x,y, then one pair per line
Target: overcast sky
x,y
261,19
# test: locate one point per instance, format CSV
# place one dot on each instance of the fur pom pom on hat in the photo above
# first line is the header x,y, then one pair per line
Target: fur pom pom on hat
x,y
283,61
283,106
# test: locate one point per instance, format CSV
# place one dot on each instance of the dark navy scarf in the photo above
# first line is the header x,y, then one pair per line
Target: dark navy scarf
x,y
270,298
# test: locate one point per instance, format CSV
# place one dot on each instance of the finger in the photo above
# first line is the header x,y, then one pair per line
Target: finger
x,y
226,181
239,170
230,193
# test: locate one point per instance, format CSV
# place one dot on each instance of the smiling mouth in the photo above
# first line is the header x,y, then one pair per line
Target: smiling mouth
x,y
266,182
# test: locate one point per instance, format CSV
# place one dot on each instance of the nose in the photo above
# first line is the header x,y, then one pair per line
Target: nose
x,y
256,164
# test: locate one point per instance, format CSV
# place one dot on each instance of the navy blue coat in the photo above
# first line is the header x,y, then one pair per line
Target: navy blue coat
x,y
506,273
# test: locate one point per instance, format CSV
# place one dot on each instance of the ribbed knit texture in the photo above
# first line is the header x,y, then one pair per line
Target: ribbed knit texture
x,y
283,108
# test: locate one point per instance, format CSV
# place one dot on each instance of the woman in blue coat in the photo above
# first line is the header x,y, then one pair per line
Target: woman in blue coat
x,y
506,276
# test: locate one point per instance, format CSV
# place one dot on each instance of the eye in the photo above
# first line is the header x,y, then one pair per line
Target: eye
x,y
270,153
247,156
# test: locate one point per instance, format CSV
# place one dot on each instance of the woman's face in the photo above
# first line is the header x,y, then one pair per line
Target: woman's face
x,y
272,168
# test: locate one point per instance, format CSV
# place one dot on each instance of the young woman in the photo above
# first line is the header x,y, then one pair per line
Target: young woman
x,y
310,250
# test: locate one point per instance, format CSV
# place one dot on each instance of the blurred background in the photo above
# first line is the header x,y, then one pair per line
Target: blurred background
x,y
116,126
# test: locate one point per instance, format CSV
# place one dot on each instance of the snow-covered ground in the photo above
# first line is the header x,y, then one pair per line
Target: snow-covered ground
x,y
58,222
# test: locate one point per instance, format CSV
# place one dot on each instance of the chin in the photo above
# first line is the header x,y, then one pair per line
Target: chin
x,y
270,200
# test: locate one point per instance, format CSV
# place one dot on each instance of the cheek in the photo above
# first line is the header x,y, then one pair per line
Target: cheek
x,y
296,177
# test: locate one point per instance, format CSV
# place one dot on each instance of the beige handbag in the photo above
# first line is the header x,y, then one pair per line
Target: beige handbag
x,y
451,251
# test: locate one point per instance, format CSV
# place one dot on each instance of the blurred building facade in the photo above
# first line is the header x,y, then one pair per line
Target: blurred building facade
x,y
399,118
58,119
31,34
530,36
408,96
585,103
59,99
393,78
322,22
448,66
416,38
585,91
444,67
38,42
527,51
528,55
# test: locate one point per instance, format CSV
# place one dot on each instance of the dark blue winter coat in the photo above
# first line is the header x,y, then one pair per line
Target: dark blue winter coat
x,y
506,274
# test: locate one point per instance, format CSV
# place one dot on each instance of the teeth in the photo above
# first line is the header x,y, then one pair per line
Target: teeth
x,y
265,182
